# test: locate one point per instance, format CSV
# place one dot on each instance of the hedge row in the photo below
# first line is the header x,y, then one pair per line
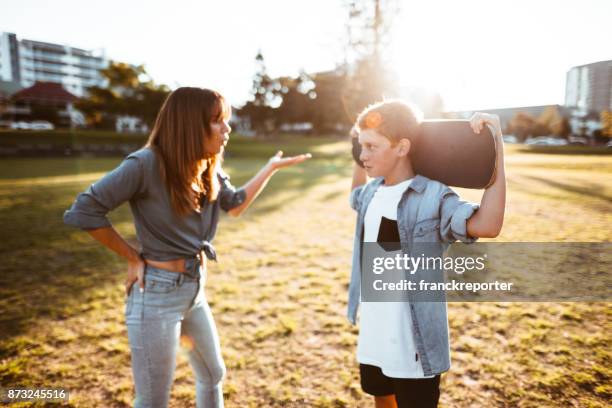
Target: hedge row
x,y
104,143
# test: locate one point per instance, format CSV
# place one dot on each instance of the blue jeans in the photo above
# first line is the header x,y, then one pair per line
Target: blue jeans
x,y
173,309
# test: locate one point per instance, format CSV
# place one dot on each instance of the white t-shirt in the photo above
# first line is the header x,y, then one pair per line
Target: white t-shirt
x,y
385,328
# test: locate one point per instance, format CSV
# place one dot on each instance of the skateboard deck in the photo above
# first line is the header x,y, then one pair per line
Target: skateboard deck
x,y
450,152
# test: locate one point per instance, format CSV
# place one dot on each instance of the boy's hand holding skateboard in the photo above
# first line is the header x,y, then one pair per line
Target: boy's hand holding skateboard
x,y
479,119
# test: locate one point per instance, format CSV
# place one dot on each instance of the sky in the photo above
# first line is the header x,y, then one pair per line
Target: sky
x,y
477,54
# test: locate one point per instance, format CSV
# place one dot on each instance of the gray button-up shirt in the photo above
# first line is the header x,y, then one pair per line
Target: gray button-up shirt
x,y
428,212
163,234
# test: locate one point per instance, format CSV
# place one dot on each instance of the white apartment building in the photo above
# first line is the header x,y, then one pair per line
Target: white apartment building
x,y
589,87
26,62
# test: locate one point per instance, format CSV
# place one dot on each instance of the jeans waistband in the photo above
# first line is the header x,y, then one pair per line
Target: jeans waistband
x,y
193,267
193,271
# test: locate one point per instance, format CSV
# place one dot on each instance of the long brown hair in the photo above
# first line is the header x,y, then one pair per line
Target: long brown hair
x,y
181,137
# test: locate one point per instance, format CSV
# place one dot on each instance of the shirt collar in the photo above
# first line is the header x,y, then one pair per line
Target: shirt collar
x,y
418,184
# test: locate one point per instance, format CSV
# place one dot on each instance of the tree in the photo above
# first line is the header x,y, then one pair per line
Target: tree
x,y
129,91
522,125
264,87
265,94
368,28
606,123
551,121
331,109
329,100
99,107
297,104
146,103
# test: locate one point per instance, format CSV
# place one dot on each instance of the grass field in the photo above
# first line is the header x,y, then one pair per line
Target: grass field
x,y
279,290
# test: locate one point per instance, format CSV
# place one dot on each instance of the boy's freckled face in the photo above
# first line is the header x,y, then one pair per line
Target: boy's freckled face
x,y
377,154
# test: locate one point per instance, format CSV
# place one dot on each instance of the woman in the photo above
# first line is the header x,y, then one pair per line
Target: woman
x,y
176,188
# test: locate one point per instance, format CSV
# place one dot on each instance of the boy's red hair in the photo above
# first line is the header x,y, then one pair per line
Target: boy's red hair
x,y
395,119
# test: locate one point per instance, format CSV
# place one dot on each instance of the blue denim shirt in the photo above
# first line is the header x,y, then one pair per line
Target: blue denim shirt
x,y
428,211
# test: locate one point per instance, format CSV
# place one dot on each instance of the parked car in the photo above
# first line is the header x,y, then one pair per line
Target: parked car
x,y
21,125
546,141
510,139
34,125
41,125
578,141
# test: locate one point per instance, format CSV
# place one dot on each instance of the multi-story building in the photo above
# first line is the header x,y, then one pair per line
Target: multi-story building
x,y
588,87
26,62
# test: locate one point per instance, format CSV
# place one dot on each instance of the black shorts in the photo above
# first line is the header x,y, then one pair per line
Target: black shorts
x,y
409,392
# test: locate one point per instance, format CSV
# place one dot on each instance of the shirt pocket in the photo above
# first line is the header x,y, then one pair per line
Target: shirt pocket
x,y
427,230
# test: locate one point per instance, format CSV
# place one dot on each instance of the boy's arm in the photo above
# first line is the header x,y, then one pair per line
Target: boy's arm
x,y
487,221
359,176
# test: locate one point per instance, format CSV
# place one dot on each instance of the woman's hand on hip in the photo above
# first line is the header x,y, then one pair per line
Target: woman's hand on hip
x,y
278,161
135,273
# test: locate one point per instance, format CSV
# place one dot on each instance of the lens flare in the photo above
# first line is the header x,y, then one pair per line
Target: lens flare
x,y
187,343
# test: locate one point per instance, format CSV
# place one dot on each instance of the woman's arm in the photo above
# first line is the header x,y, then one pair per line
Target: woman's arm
x,y
89,211
254,186
111,239
487,222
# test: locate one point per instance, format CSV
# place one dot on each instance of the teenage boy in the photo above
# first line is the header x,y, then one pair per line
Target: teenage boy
x,y
403,347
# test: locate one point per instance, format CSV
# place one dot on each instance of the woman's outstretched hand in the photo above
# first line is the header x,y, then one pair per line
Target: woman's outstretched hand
x,y
278,161
254,186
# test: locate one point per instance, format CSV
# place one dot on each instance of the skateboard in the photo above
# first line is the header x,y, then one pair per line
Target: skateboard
x,y
450,152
